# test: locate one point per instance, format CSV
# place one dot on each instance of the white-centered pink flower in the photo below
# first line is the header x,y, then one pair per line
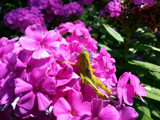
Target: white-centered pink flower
x,y
43,43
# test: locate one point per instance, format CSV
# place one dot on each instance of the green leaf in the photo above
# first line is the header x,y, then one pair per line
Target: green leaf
x,y
148,34
113,33
156,75
144,112
144,116
144,47
152,93
107,48
145,65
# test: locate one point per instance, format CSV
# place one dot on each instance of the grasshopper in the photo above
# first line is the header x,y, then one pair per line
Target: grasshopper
x,y
87,76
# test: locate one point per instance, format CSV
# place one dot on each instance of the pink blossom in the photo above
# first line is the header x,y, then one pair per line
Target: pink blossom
x,y
126,91
71,108
42,43
128,113
35,89
6,90
101,111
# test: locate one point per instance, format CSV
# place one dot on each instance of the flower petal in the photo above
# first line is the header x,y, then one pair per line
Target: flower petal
x,y
28,44
43,101
27,101
123,79
128,94
21,86
62,108
109,113
40,53
128,113
34,32
52,36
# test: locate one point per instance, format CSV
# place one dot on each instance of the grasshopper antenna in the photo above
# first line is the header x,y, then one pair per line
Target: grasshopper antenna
x,y
83,40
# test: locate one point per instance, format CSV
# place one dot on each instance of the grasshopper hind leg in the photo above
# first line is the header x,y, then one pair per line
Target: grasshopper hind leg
x,y
90,82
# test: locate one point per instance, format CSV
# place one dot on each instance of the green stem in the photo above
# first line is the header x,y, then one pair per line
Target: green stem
x,y
127,43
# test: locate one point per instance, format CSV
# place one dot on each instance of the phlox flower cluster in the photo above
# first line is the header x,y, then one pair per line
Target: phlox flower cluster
x,y
113,8
24,17
40,11
72,8
38,81
50,6
56,7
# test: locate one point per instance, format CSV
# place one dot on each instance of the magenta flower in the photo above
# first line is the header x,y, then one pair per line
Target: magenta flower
x,y
71,108
101,111
113,8
139,89
25,62
42,43
37,88
24,17
6,90
62,73
128,113
126,91
6,46
105,68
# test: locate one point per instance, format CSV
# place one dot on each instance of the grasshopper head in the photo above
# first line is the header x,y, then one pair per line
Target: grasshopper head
x,y
83,58
84,54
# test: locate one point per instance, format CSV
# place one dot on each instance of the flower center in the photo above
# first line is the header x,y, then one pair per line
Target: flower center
x,y
41,43
73,113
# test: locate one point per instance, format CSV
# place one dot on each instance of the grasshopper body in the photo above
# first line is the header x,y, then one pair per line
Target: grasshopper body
x,y
87,75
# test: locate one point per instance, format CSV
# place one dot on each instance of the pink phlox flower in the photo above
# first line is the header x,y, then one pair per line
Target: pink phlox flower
x,y
65,27
62,91
71,108
6,46
38,87
139,89
77,29
62,72
6,90
126,91
26,61
42,43
7,56
91,44
7,65
105,68
75,46
101,111
128,113
64,75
